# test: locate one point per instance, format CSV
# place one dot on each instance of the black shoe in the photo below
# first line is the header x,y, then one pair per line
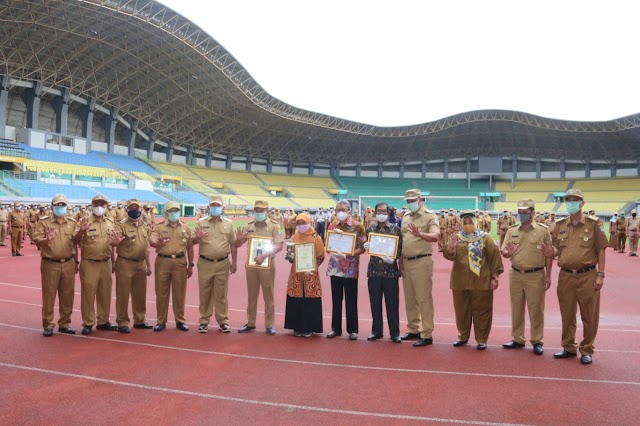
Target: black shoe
x,y
353,336
564,354
203,328
182,326
459,343
538,349
19,254
225,328
375,337
67,330
143,325
246,328
513,345
271,331
333,334
396,339
586,359
48,332
124,329
423,342
481,346
410,336
107,326
87,329
159,327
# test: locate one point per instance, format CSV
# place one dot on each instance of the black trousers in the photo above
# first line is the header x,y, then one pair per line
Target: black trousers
x,y
348,287
387,287
320,229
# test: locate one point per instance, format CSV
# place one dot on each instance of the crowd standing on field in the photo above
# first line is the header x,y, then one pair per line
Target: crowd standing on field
x,y
102,239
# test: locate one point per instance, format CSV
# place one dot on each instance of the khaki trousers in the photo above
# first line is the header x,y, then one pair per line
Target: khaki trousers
x,y
57,279
633,241
31,227
417,284
213,281
16,239
3,233
473,307
613,240
264,278
131,279
170,277
95,290
622,240
527,289
576,290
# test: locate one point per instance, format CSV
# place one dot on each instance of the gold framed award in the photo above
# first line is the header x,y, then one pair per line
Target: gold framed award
x,y
257,247
304,257
341,242
383,245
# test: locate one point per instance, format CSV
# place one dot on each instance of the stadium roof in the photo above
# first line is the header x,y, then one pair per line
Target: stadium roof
x,y
155,66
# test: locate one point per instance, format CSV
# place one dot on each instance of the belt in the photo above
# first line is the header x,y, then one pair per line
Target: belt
x,y
17,226
57,260
98,260
580,271
131,260
526,271
417,257
214,260
172,256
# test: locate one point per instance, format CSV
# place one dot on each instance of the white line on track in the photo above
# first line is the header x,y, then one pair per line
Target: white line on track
x,y
247,401
346,366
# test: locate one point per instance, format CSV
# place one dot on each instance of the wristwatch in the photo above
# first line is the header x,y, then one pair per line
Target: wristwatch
x,y
192,264
601,274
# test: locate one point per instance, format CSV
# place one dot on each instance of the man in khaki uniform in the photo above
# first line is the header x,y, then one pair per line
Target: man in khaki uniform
x,y
201,213
131,237
172,238
613,232
504,222
94,238
530,275
32,215
4,220
277,216
291,223
120,213
633,227
420,230
621,232
16,229
54,237
217,239
579,242
257,275
442,239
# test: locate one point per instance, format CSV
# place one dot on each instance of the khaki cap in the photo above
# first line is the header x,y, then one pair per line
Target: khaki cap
x,y
468,213
59,198
411,194
216,199
172,205
574,192
133,201
526,203
259,204
634,211
99,197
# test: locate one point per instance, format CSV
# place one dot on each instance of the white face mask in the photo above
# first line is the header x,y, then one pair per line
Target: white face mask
x,y
382,218
342,216
98,211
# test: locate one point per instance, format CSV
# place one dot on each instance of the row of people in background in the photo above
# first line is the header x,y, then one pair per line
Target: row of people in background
x,y
621,228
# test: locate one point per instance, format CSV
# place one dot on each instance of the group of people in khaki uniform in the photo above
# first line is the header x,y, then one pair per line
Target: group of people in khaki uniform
x,y
621,228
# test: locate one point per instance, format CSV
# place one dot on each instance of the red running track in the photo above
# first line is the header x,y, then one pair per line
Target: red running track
x,y
189,378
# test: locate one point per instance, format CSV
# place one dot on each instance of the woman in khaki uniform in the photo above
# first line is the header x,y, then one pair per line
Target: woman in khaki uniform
x,y
474,276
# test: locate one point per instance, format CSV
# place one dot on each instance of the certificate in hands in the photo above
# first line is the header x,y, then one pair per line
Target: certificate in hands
x,y
383,245
305,257
344,243
257,247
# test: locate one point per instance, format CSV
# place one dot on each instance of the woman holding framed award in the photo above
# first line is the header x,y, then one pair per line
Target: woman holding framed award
x,y
303,313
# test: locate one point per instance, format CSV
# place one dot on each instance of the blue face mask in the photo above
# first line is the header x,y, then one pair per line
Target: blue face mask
x,y
260,217
524,217
215,211
413,207
572,206
59,210
134,214
173,216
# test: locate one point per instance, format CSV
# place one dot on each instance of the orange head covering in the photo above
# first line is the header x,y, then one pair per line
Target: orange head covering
x,y
305,217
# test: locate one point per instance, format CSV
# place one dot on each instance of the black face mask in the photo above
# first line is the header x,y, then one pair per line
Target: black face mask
x,y
634,215
134,214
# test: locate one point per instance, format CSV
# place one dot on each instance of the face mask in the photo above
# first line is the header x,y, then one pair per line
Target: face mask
x,y
413,207
173,216
572,207
59,211
524,217
342,216
303,228
633,214
98,211
215,211
469,228
260,217
381,218
134,214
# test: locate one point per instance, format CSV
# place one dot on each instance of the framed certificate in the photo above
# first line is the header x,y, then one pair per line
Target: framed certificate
x,y
383,245
344,243
305,257
257,247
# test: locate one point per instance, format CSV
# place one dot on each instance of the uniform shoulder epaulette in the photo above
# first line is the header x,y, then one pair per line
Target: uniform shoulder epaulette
x,y
543,225
514,226
562,219
123,221
202,219
274,221
109,219
595,218
226,219
251,222
47,217
407,213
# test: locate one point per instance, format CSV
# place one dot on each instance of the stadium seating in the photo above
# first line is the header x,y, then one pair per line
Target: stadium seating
x,y
552,185
35,189
537,196
616,184
69,170
297,181
189,197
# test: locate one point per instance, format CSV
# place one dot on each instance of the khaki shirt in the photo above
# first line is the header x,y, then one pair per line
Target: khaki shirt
x,y
120,215
17,218
529,239
33,216
504,223
462,278
95,243
4,215
427,222
621,225
579,244
633,224
179,236
221,235
62,246
136,239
